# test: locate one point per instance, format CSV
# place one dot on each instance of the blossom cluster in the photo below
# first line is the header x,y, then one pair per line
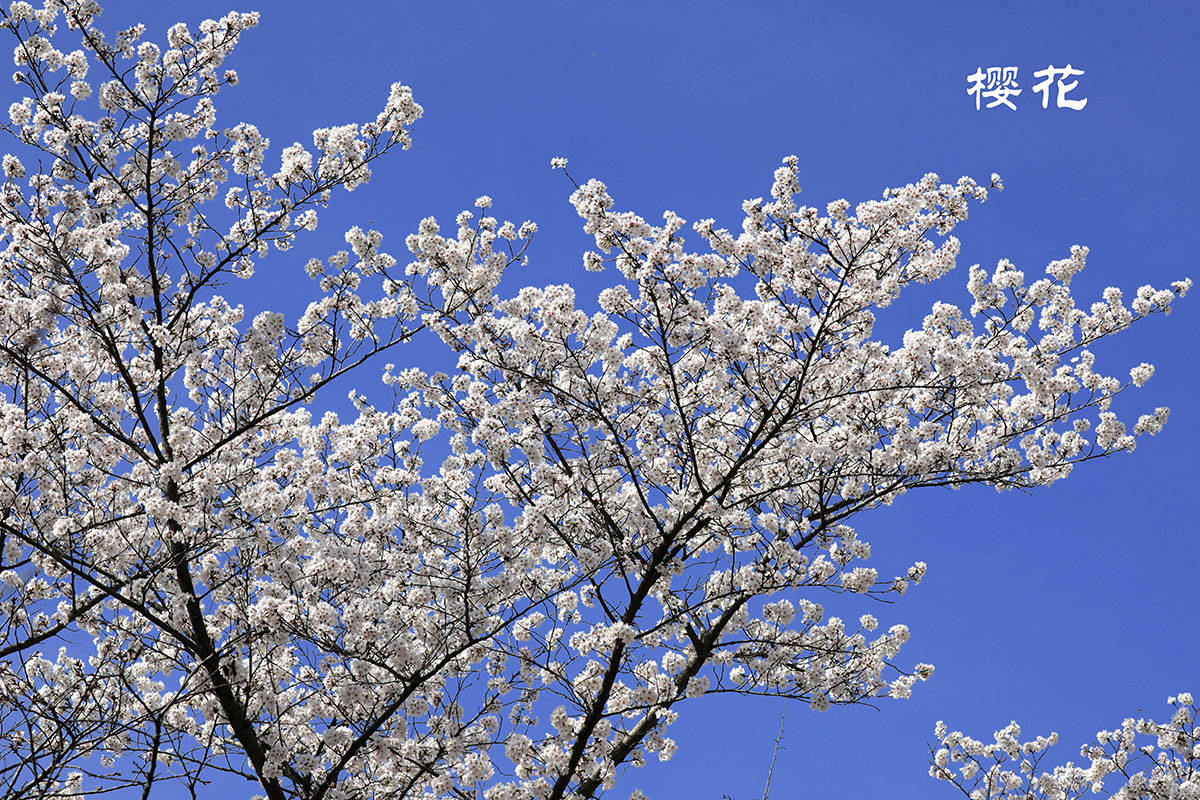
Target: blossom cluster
x,y
1141,760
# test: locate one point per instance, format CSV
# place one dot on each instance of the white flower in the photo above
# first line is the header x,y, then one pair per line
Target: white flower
x,y
1141,373
425,429
13,168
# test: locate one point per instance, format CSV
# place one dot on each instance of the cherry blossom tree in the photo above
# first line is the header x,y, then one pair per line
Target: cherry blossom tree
x,y
502,579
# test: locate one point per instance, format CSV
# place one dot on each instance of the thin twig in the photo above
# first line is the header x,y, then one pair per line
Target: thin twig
x,y
775,753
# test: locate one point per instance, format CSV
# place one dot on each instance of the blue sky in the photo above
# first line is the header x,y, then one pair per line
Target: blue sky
x,y
1067,608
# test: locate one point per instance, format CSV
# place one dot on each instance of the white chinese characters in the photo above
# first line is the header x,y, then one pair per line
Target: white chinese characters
x,y
998,86
1050,75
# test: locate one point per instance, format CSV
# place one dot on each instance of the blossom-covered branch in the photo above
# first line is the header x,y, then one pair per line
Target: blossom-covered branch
x,y
1164,766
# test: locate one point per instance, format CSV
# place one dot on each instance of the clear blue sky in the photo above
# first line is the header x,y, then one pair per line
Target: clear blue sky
x,y
1067,608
